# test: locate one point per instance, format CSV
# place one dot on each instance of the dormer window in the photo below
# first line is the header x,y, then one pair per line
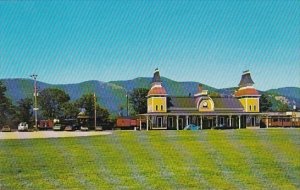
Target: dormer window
x,y
205,104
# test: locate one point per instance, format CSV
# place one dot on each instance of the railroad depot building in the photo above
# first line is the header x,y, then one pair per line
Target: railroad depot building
x,y
165,111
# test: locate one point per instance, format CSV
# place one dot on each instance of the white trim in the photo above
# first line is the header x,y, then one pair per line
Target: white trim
x,y
246,87
156,86
246,96
201,99
161,95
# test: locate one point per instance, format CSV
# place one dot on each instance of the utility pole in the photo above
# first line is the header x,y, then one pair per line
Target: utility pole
x,y
34,76
95,110
127,103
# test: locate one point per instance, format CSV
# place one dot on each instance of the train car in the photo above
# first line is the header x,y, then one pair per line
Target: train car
x,y
45,124
285,119
128,123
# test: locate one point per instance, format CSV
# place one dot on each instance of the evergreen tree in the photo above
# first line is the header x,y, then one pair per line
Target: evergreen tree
x,y
138,99
25,110
265,103
7,110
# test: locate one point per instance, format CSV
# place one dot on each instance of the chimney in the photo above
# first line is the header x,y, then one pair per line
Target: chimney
x,y
200,88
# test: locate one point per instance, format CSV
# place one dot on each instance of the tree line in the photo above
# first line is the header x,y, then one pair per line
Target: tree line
x,y
55,103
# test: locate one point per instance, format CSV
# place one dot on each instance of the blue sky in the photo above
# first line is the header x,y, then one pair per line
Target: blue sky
x,y
210,42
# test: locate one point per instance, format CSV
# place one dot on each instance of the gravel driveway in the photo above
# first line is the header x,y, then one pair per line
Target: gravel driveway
x,y
50,134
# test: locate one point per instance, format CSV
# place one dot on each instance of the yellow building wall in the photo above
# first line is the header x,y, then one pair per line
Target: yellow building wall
x,y
157,104
250,102
149,105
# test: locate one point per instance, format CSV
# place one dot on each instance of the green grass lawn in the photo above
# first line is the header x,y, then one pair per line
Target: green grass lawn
x,y
210,159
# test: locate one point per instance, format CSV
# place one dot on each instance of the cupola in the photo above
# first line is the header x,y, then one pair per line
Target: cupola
x,y
156,86
246,86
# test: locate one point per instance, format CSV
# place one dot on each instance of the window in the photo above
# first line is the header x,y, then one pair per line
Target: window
x,y
159,122
162,107
156,107
205,104
254,108
250,107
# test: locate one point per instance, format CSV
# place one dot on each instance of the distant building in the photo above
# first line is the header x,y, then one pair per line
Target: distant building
x,y
165,111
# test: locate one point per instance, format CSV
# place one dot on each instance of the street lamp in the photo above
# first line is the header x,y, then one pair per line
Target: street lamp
x,y
34,76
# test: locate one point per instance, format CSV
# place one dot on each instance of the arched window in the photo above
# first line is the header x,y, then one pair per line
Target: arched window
x,y
162,107
156,107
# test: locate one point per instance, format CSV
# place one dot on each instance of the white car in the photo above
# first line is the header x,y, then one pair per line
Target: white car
x,y
83,128
23,126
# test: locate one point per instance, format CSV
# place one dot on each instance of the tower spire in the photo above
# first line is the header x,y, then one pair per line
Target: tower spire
x,y
246,79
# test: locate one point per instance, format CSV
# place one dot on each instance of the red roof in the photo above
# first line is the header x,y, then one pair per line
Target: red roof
x,y
246,92
157,91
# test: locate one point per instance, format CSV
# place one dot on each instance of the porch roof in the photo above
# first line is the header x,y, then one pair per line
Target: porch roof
x,y
215,113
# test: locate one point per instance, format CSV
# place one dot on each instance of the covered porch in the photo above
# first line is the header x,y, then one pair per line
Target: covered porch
x,y
177,121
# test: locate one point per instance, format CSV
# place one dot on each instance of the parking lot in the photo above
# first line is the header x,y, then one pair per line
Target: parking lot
x,y
50,134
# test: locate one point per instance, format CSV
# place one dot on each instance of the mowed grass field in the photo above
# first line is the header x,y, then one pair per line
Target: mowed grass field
x,y
209,159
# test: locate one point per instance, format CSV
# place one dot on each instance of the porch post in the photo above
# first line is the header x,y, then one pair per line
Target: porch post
x,y
177,122
140,123
267,122
187,119
230,120
147,118
201,122
217,121
239,121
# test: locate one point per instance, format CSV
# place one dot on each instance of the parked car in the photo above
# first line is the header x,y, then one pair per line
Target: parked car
x,y
222,126
23,126
191,127
98,128
57,127
73,127
83,128
6,128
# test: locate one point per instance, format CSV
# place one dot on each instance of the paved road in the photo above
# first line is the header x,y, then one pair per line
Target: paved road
x,y
50,134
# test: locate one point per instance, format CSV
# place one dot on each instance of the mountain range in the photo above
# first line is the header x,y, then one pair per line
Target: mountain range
x,y
111,95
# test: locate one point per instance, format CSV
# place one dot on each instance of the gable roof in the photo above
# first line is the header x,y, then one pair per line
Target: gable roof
x,y
227,103
182,102
189,103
